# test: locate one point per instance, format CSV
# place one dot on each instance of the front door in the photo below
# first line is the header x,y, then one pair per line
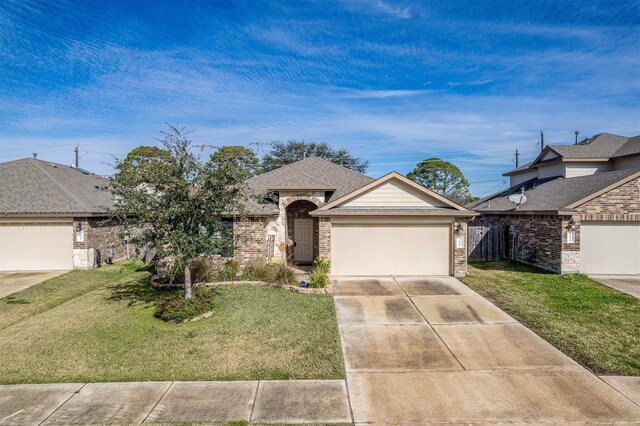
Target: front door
x,y
302,240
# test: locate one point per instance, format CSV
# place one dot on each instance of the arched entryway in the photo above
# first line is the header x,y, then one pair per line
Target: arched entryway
x,y
302,233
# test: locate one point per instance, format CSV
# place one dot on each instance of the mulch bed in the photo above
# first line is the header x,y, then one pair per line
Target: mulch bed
x,y
296,289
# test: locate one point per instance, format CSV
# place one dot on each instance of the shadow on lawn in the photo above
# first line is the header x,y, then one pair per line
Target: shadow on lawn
x,y
508,266
135,290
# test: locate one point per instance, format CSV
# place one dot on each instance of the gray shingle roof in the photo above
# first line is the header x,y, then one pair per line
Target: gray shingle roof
x,y
604,145
30,186
551,194
518,169
632,146
312,173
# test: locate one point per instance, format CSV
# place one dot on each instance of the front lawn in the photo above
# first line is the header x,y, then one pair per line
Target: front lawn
x,y
98,325
595,325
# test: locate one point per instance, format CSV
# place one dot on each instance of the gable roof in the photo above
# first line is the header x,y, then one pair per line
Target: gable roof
x,y
521,169
336,206
600,146
603,147
553,194
35,187
310,174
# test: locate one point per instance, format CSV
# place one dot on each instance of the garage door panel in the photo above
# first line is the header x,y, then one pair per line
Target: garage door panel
x,y
610,247
36,247
385,249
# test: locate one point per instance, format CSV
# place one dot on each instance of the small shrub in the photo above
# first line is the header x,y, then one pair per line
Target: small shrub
x,y
284,275
175,308
260,271
319,275
322,264
205,270
230,270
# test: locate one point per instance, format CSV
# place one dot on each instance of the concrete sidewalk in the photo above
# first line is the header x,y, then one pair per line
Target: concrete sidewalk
x,y
431,350
299,401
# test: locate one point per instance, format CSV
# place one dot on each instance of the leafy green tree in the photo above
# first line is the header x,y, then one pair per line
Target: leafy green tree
x,y
170,199
442,177
241,156
283,153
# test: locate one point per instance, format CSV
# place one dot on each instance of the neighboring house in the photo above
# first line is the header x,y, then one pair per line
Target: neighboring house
x,y
52,217
364,226
582,208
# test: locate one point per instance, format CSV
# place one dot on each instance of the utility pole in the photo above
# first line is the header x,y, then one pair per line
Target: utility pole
x,y
577,133
541,141
76,151
517,158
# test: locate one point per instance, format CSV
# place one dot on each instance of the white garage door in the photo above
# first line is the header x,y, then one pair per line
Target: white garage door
x,y
36,247
610,247
384,249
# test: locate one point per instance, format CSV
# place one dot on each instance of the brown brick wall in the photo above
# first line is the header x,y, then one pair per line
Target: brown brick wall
x,y
541,235
250,240
460,254
100,234
621,204
324,238
300,210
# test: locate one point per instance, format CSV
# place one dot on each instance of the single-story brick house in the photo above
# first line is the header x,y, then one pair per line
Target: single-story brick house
x,y
52,217
364,226
582,208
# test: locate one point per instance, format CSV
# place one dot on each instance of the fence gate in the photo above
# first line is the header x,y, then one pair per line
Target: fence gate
x,y
487,243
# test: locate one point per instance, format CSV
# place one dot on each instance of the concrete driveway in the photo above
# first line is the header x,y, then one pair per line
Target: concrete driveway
x,y
12,282
629,284
432,350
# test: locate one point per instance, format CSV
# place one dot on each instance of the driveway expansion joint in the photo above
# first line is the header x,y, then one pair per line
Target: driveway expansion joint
x,y
507,374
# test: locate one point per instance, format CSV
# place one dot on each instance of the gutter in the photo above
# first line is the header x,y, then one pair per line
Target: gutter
x,y
454,213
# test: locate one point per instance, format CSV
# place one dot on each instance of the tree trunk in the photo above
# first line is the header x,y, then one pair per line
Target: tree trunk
x,y
187,281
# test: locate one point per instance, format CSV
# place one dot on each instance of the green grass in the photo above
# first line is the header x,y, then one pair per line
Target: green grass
x,y
98,325
597,326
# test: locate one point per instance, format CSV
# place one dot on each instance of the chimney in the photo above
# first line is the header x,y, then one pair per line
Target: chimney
x,y
541,140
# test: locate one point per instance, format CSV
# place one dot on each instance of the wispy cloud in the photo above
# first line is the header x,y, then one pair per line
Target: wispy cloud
x,y
397,11
379,79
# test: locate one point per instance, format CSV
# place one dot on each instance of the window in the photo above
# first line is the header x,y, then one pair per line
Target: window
x,y
222,231
571,237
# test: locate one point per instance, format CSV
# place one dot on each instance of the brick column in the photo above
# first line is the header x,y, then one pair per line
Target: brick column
x,y
324,237
460,254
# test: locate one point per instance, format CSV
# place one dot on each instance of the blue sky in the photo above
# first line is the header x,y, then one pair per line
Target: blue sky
x,y
393,82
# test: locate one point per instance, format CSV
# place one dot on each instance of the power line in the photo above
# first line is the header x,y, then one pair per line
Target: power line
x,y
504,181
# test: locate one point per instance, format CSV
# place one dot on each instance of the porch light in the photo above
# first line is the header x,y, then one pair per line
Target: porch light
x,y
79,227
572,223
459,228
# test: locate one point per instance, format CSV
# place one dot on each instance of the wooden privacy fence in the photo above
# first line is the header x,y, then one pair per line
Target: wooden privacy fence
x,y
487,243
